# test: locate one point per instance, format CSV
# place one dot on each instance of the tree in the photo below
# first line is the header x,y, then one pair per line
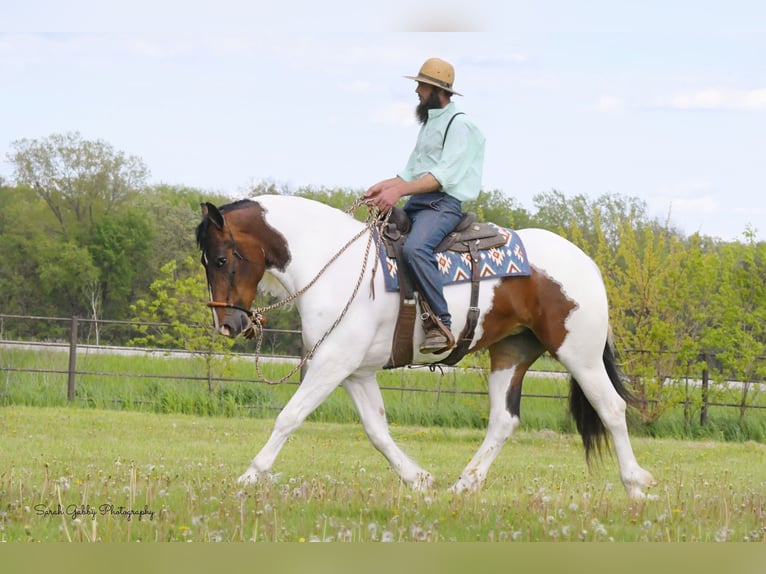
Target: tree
x,y
177,304
737,307
562,215
497,207
119,246
78,179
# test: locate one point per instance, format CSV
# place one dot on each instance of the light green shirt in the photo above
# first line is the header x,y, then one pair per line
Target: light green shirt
x,y
457,167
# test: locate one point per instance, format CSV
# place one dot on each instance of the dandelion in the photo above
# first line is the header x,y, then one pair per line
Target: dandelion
x,y
418,534
387,536
723,534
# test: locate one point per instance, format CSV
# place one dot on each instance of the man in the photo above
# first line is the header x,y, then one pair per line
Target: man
x,y
444,169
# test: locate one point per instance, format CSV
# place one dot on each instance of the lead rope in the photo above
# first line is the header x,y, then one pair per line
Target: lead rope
x,y
373,222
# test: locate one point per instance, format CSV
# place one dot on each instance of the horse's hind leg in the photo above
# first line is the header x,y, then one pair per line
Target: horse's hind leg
x,y
599,388
510,359
368,399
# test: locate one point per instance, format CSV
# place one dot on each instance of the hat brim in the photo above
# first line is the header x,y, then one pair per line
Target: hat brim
x,y
431,82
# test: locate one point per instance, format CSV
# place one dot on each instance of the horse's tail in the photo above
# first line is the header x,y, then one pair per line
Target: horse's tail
x,y
589,424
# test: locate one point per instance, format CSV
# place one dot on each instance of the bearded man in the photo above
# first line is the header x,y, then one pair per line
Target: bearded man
x,y
443,170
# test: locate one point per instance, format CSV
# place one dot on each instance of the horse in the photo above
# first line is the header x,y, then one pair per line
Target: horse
x,y
290,246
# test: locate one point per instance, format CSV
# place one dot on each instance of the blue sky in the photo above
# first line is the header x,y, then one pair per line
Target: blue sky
x,y
660,100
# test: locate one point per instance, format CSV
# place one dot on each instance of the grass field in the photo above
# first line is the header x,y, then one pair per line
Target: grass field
x,y
454,398
92,474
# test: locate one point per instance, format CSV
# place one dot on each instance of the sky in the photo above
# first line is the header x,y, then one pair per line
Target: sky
x,y
660,100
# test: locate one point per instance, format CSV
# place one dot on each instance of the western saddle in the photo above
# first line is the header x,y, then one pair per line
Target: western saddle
x,y
469,236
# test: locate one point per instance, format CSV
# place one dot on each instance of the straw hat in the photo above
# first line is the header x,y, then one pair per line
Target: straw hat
x,y
437,73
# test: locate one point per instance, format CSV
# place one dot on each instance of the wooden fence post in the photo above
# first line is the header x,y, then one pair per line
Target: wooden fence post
x,y
705,386
72,358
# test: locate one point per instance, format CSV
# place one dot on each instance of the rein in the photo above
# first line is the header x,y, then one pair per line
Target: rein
x,y
256,315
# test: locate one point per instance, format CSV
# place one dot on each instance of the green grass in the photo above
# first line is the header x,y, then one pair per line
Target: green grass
x,y
333,486
452,399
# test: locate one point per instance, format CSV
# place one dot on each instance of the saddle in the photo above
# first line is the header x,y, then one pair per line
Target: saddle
x,y
469,236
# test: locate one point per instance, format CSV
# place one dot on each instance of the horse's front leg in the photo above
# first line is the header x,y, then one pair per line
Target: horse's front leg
x,y
368,400
315,388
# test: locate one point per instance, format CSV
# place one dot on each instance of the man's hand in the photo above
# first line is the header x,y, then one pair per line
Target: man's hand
x,y
385,194
384,199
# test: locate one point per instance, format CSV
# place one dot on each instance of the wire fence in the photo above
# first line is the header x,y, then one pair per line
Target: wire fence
x,y
78,337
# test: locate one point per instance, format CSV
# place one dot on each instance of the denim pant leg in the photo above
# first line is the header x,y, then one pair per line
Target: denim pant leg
x,y
430,225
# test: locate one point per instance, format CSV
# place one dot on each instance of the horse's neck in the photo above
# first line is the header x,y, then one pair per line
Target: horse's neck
x,y
314,232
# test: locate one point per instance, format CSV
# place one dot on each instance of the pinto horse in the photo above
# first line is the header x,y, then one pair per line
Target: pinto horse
x,y
282,244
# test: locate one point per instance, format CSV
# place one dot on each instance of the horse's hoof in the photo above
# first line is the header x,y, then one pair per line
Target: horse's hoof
x,y
252,476
423,483
463,486
636,484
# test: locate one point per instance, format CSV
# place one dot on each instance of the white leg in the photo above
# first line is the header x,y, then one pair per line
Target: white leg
x,y
600,392
314,389
368,399
500,428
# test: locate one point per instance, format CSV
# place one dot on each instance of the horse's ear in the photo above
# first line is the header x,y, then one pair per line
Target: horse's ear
x,y
211,211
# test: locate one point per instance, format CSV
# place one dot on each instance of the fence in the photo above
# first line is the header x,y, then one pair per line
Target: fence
x,y
75,346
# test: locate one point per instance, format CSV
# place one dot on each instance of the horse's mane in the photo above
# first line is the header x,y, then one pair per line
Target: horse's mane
x,y
234,205
274,245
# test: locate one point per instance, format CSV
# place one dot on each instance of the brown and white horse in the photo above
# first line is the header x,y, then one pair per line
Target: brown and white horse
x,y
280,243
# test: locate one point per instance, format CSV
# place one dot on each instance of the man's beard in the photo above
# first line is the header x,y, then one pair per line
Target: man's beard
x,y
431,103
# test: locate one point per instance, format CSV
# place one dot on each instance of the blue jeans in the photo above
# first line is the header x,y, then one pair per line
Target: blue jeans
x,y
434,215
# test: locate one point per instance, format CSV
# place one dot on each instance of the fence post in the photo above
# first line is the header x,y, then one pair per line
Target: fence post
x,y
705,385
72,358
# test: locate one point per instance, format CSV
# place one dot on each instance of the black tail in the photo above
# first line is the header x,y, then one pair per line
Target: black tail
x,y
589,425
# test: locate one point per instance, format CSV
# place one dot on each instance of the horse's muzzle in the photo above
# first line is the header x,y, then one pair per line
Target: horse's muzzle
x,y
235,323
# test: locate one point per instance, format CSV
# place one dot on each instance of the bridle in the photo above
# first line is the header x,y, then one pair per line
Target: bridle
x,y
252,315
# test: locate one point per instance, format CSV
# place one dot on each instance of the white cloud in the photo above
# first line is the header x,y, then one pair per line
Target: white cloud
x,y
397,113
609,104
357,87
719,99
693,197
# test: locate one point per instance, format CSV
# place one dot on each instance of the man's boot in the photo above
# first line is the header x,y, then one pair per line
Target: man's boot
x,y
438,337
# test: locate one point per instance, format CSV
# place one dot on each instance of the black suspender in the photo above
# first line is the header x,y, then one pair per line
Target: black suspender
x,y
448,125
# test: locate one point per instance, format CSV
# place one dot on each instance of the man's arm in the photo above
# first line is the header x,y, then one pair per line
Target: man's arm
x,y
386,193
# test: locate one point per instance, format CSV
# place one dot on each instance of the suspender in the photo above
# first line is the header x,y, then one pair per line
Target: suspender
x,y
449,124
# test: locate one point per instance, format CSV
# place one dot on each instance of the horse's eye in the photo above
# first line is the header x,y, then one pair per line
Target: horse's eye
x,y
220,262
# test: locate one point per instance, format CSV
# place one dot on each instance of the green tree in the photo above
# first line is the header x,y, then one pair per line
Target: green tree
x,y
66,273
120,247
78,179
562,215
737,334
180,318
499,208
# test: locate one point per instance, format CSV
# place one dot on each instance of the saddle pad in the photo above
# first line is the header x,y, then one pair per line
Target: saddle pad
x,y
507,260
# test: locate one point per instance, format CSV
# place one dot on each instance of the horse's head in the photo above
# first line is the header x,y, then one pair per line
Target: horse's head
x,y
238,247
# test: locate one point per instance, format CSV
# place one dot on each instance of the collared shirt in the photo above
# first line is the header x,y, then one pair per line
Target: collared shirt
x,y
458,166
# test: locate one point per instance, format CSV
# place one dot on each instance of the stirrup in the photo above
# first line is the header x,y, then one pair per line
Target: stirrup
x,y
438,338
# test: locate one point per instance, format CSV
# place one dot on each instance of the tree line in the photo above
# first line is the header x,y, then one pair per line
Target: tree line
x,y
82,232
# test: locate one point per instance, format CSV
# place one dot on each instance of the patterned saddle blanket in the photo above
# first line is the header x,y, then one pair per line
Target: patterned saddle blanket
x,y
508,259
